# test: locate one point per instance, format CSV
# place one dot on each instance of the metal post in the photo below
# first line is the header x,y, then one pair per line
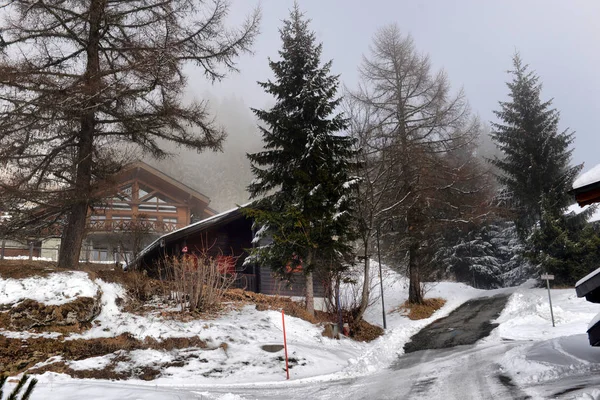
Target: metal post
x,y
31,249
2,250
339,306
381,282
287,367
550,300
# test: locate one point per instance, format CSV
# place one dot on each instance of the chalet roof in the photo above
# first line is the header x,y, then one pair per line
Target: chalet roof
x,y
215,220
142,166
586,187
589,286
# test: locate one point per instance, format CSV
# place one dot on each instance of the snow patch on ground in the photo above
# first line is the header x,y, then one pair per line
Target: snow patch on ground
x,y
54,289
527,315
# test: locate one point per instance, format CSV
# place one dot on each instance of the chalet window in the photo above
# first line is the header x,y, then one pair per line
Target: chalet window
x,y
144,191
170,220
157,204
99,255
122,200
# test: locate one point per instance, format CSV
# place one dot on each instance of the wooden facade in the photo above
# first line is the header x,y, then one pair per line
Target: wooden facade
x,y
150,197
136,206
229,234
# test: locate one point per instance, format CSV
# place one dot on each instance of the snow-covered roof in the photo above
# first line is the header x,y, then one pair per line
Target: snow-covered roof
x,y
197,226
587,178
587,277
577,210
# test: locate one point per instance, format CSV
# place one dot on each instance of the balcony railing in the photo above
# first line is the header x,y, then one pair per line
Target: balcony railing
x,y
132,225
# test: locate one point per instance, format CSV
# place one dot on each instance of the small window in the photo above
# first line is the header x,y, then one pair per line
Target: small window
x,y
99,255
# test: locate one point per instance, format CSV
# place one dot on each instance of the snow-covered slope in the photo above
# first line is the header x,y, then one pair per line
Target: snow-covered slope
x,y
316,359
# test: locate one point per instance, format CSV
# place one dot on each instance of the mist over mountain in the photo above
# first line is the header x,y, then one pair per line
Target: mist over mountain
x,y
222,176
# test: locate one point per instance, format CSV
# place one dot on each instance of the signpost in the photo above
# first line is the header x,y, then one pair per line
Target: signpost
x,y
548,278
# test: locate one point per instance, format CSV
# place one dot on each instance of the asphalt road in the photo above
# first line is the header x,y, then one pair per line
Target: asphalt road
x,y
465,325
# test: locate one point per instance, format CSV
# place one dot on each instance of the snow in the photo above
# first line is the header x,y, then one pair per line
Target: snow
x,y
27,258
55,289
574,208
527,315
587,277
52,259
587,178
594,321
536,352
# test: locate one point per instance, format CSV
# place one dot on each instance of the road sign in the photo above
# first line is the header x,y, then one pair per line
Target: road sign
x,y
548,278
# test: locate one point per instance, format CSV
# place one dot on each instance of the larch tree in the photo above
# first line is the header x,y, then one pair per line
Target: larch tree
x,y
427,136
304,171
82,83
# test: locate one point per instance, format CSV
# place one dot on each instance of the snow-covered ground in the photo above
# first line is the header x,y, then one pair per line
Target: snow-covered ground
x,y
538,352
57,288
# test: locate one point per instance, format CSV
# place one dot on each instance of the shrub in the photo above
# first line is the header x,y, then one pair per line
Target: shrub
x,y
197,282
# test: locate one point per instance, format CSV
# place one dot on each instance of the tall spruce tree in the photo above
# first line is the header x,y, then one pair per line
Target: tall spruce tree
x,y
537,175
535,166
304,169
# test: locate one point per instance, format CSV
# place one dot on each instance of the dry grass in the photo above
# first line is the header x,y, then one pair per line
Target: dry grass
x,y
20,269
18,355
263,302
421,311
365,332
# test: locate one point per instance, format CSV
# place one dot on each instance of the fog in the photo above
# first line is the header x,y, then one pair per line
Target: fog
x,y
222,176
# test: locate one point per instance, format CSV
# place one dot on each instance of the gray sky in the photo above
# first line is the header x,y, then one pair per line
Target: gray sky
x,y
473,40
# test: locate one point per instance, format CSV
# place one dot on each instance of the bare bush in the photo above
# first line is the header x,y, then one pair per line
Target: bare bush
x,y
198,282
350,285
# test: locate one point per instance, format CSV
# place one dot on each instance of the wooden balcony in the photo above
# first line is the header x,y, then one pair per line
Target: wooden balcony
x,y
132,225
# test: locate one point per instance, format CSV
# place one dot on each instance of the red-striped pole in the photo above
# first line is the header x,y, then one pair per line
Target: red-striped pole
x,y
287,368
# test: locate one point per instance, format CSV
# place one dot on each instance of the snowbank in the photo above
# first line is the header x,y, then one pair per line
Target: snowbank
x,y
54,289
527,315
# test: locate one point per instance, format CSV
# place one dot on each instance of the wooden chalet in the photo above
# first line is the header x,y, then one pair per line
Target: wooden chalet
x,y
226,236
139,204
586,190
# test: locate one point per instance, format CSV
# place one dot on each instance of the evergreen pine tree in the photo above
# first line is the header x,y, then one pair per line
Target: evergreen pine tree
x,y
537,177
536,170
487,256
304,169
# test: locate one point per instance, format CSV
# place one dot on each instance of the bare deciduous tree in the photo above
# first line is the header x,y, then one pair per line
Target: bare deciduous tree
x,y
81,81
418,164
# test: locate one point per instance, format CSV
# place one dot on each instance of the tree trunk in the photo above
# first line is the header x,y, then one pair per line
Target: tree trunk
x,y
415,294
73,233
364,299
310,290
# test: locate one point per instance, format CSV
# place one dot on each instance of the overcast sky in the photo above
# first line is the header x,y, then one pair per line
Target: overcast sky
x,y
473,40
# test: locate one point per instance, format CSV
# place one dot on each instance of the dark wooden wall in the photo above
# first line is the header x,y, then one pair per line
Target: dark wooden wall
x,y
234,238
270,284
230,239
